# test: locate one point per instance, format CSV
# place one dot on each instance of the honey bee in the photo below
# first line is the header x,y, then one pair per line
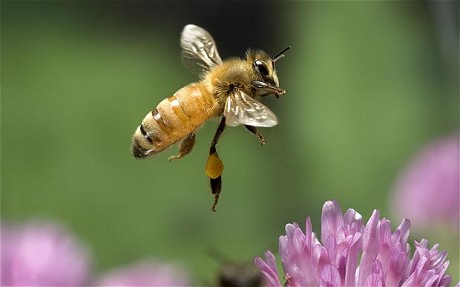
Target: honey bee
x,y
236,274
228,89
240,275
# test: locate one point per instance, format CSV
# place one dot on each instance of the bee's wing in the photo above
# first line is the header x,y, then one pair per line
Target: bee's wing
x,y
240,108
199,51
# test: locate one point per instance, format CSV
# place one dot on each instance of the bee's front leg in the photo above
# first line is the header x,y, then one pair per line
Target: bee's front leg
x,y
185,147
255,131
269,88
214,166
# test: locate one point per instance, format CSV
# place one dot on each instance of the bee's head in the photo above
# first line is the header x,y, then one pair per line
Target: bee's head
x,y
263,65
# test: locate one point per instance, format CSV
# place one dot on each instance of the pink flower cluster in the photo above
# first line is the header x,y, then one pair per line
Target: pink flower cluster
x,y
41,253
354,254
428,190
147,273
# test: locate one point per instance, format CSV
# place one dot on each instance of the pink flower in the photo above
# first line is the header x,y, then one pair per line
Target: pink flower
x,y
145,274
41,254
428,190
353,254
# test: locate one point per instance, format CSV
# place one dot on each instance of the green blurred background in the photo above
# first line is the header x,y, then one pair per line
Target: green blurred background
x,y
368,84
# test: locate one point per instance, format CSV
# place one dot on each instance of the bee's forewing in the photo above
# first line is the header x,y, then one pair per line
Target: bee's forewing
x,y
242,109
199,51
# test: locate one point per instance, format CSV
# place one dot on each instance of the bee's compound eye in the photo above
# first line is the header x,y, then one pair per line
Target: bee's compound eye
x,y
261,67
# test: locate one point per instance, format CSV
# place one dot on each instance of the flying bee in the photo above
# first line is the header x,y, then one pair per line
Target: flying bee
x,y
240,275
236,274
228,89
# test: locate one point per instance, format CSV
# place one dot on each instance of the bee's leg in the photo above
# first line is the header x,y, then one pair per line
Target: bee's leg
x,y
185,147
216,185
255,131
219,131
270,89
214,166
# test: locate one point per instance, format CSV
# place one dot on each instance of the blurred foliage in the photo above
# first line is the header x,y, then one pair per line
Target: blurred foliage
x,y
368,85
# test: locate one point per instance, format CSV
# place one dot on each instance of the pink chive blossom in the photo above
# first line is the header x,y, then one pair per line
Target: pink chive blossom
x,y
40,253
353,254
428,190
147,273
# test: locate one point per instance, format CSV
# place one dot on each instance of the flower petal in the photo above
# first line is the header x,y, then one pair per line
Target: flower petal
x,y
268,269
331,220
370,247
330,276
374,280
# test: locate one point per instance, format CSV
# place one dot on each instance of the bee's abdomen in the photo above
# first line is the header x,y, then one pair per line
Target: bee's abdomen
x,y
173,119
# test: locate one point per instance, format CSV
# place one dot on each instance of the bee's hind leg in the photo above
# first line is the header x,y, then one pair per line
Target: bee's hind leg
x,y
255,131
214,166
185,147
216,186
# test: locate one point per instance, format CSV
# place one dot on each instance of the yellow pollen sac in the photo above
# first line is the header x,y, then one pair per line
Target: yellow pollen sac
x,y
214,166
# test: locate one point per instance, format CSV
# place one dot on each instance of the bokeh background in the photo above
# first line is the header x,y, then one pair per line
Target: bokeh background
x,y
369,83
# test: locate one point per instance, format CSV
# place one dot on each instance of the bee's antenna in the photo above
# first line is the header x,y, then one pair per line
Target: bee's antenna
x,y
280,54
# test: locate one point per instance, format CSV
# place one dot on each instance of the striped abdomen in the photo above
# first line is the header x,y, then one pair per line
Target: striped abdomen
x,y
173,119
